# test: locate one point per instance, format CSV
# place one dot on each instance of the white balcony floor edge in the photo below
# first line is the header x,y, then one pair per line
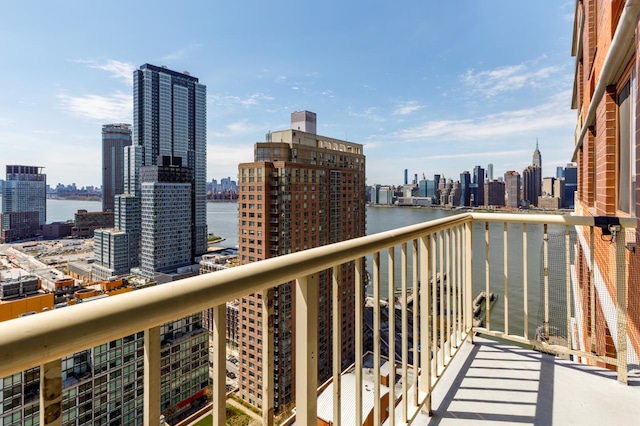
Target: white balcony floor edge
x,y
492,382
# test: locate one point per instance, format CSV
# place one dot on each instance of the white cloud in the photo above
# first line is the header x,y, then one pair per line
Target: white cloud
x,y
117,69
181,53
506,79
117,107
237,128
551,115
250,100
407,108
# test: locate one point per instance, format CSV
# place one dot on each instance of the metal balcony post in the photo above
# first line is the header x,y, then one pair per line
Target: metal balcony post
x,y
359,275
391,315
219,365
51,393
152,376
306,314
268,354
621,302
337,344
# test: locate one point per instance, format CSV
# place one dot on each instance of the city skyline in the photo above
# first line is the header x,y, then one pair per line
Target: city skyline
x,y
431,88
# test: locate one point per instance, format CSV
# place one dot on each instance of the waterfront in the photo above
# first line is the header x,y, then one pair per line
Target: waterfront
x,y
222,220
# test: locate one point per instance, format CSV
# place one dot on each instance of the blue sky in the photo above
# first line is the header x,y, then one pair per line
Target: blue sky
x,y
430,86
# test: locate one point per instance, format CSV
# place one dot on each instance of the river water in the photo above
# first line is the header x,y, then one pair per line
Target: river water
x,y
222,220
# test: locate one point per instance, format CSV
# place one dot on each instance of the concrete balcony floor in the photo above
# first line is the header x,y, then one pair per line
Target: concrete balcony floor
x,y
492,382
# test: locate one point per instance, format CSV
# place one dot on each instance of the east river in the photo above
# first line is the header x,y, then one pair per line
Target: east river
x,y
222,220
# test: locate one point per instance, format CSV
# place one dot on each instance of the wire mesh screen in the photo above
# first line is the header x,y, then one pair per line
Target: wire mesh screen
x,y
556,305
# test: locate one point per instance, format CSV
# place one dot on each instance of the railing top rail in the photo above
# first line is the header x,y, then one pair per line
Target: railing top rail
x,y
551,219
34,340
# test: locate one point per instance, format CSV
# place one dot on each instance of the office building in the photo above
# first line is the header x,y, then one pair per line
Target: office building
x,y
465,189
115,137
570,173
24,207
489,172
478,180
512,186
532,180
606,151
301,191
494,193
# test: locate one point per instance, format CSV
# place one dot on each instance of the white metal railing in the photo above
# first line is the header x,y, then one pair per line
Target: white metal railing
x,y
436,273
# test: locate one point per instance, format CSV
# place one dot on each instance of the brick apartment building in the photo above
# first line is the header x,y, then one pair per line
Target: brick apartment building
x,y
606,45
302,191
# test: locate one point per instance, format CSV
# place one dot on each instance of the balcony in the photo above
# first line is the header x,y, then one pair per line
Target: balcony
x,y
486,361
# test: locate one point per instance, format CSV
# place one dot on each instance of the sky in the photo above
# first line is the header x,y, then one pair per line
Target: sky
x,y
428,86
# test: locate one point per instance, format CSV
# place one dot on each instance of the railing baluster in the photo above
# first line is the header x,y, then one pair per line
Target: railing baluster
x,y
455,282
377,414
447,286
621,301
425,355
592,290
545,266
468,278
417,287
220,365
525,280
152,376
306,314
567,265
51,393
441,296
391,313
460,267
405,332
487,267
268,356
506,277
337,345
359,331
433,303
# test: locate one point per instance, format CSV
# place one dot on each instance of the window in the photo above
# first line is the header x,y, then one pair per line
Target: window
x,y
626,147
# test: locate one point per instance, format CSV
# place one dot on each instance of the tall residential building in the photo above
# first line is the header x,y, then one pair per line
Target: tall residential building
x,y
512,183
301,191
24,207
115,137
162,208
169,122
465,189
607,151
478,179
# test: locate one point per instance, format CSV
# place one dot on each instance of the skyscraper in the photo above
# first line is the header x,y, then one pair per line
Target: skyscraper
x,y
24,207
489,172
163,205
465,189
512,182
537,157
478,179
532,179
115,137
302,191
169,122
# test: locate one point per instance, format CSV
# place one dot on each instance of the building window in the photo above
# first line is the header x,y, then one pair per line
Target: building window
x,y
626,147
